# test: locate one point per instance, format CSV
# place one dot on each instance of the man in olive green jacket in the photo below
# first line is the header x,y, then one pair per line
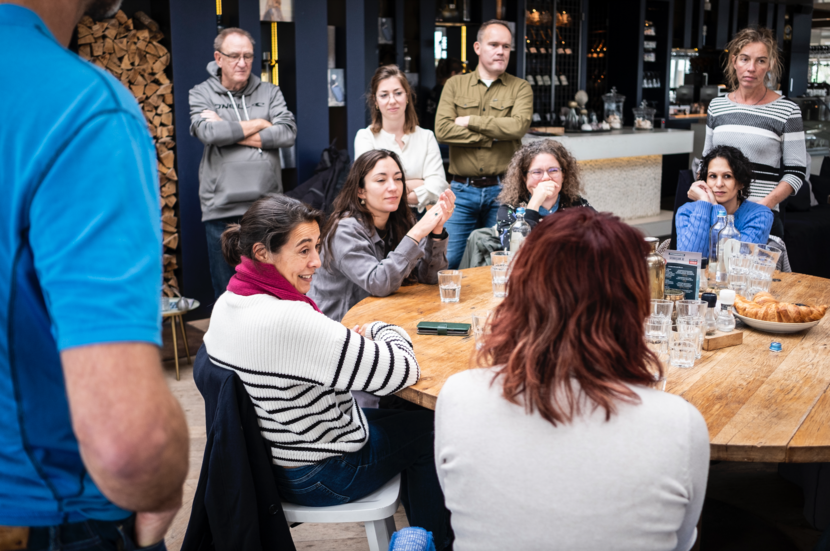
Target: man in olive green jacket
x,y
482,116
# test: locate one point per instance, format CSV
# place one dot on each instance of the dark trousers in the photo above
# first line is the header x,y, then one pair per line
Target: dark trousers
x,y
220,271
399,442
777,225
92,535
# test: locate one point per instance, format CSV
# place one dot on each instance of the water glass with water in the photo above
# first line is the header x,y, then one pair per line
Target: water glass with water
x,y
692,329
499,273
449,285
658,330
681,351
481,327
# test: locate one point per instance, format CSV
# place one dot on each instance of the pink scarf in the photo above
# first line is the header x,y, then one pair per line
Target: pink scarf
x,y
257,278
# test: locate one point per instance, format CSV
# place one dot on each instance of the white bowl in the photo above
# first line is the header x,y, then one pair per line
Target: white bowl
x,y
776,327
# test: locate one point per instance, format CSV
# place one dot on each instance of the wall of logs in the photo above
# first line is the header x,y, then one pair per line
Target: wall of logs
x,y
130,49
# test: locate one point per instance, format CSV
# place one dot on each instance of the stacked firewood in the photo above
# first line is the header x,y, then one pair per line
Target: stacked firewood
x,y
130,49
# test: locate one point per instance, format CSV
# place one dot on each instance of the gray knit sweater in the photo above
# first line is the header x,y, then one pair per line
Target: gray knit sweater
x,y
770,135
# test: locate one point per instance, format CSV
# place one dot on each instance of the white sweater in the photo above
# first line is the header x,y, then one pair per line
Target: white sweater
x,y
420,156
513,481
299,366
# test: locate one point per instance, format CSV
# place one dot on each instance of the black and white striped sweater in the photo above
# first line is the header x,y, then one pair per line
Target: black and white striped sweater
x,y
299,367
770,135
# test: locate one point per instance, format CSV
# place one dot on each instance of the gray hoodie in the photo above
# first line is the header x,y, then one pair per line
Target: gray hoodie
x,y
232,176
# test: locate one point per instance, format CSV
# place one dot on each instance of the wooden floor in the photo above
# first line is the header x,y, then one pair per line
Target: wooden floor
x,y
748,506
320,537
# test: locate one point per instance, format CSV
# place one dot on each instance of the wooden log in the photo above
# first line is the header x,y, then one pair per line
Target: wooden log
x,y
167,119
168,189
97,48
163,108
151,89
98,30
109,46
167,159
158,66
172,172
169,219
86,21
85,51
143,34
168,99
170,200
129,25
161,78
139,80
168,227
144,21
125,63
161,50
170,241
166,88
112,29
97,61
88,39
137,90
83,30
157,120
723,340
121,17
155,100
141,44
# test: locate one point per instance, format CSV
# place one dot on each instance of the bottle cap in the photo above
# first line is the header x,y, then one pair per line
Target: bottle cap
x,y
727,296
775,346
711,299
521,210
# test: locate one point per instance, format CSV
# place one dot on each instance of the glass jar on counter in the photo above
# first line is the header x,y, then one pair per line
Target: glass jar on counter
x,y
572,120
612,113
644,117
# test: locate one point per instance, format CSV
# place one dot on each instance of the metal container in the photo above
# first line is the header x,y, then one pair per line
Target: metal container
x,y
656,269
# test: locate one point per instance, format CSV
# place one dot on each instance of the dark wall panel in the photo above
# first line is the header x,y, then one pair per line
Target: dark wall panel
x,y
361,62
192,30
312,113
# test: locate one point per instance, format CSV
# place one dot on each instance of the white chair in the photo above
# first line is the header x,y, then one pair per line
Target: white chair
x,y
376,511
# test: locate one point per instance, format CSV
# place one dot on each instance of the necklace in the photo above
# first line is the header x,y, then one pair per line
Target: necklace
x,y
743,99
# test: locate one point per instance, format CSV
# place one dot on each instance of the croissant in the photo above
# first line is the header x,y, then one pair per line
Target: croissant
x,y
764,307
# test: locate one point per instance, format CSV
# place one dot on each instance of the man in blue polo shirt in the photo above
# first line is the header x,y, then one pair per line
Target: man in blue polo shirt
x,y
89,431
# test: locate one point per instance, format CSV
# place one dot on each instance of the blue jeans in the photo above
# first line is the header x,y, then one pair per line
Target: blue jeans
x,y
92,535
474,208
220,271
399,442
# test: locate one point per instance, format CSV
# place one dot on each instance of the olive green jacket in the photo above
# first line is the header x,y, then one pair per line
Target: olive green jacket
x,y
499,117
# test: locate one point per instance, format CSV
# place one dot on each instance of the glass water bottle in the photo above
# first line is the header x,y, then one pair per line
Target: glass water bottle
x,y
716,228
727,233
518,231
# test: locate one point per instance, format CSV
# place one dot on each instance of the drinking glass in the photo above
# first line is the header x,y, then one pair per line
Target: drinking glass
x,y
658,330
767,253
692,329
481,327
674,295
690,308
681,351
501,257
449,285
499,273
661,308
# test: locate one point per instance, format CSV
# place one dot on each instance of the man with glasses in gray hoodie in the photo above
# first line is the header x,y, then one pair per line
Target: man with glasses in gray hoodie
x,y
243,123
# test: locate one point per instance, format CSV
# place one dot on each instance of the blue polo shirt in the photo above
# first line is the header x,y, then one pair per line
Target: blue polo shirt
x,y
80,256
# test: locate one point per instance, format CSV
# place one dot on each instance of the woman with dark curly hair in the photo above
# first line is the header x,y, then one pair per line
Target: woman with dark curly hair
x,y
724,179
543,177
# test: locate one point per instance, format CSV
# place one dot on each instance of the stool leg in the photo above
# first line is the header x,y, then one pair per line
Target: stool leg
x,y
175,344
184,338
378,534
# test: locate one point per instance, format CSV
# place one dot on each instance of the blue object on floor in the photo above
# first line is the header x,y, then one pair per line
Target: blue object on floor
x,y
412,539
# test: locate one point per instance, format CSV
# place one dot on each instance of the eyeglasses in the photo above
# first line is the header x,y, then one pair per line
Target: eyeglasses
x,y
538,173
236,57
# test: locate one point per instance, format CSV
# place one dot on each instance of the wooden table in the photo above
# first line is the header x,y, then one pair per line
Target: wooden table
x,y
759,405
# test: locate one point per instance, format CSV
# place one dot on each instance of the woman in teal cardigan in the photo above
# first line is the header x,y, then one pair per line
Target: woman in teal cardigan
x,y
725,176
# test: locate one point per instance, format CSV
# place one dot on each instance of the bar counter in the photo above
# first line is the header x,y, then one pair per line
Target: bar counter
x,y
622,170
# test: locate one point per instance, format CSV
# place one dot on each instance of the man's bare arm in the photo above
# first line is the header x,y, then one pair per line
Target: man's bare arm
x,y
254,140
131,431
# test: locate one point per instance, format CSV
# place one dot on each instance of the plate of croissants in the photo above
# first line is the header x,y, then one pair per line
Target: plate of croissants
x,y
764,312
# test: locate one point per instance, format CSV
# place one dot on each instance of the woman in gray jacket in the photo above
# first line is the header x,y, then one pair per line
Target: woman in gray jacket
x,y
371,243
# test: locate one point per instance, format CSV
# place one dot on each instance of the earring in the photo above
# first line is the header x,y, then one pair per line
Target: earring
x,y
362,202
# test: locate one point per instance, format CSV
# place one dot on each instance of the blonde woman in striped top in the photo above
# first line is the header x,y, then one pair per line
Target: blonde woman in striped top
x,y
765,126
299,368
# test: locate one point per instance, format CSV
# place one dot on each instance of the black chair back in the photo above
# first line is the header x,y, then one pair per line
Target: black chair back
x,y
685,179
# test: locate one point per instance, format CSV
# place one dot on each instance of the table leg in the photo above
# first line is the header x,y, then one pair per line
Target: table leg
x,y
184,338
175,344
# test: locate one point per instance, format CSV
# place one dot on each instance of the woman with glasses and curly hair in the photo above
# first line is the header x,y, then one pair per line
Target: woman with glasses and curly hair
x,y
724,184
766,126
543,177
558,441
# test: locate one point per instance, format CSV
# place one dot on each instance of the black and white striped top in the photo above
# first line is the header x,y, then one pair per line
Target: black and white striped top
x,y
299,367
770,135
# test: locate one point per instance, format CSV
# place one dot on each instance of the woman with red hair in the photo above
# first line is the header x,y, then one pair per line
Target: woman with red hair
x,y
560,442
